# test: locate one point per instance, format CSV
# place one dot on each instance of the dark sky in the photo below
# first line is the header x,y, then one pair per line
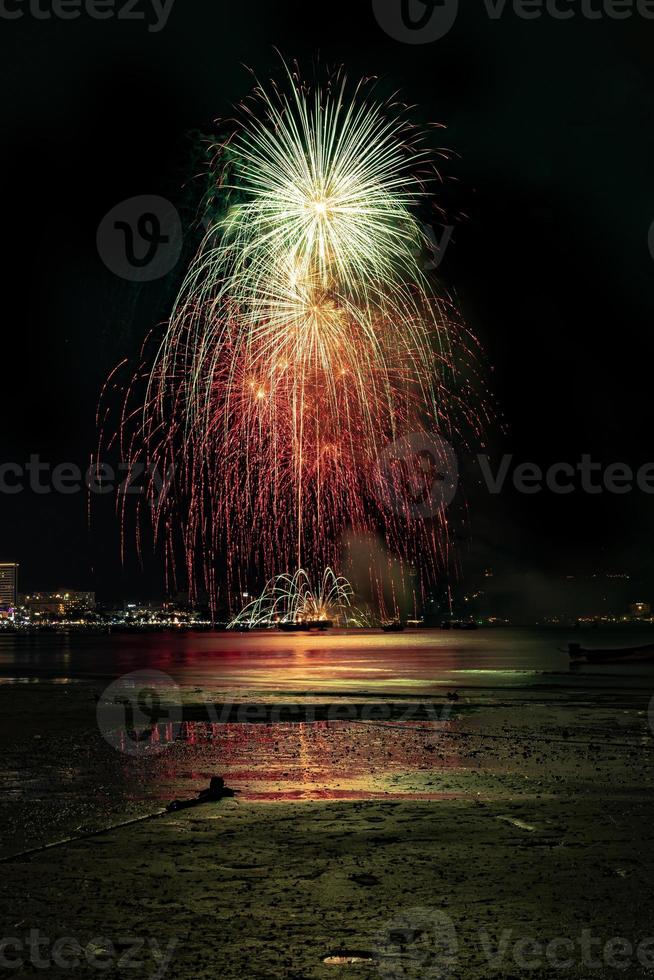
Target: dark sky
x,y
551,126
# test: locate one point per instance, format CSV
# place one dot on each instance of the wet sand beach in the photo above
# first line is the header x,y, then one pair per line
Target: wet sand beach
x,y
428,806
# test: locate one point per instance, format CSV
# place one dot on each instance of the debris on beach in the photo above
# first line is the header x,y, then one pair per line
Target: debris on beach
x,y
216,791
347,958
520,824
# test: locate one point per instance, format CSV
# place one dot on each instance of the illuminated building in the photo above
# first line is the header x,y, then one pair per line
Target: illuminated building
x,y
8,586
63,602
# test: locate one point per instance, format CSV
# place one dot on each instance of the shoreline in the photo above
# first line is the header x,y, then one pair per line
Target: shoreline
x,y
515,808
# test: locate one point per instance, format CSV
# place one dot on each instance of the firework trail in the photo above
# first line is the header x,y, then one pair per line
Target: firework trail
x,y
305,339
293,599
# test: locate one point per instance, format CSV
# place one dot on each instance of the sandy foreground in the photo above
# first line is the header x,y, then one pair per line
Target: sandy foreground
x,y
513,840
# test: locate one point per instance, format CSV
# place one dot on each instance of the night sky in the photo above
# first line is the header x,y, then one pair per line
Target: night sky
x,y
549,186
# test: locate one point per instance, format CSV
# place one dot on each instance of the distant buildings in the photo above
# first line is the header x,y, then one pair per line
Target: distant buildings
x,y
8,588
528,596
77,609
66,603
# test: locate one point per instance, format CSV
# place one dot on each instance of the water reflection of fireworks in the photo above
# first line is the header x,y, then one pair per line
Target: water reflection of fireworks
x,y
299,761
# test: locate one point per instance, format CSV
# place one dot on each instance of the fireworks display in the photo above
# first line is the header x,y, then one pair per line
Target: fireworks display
x,y
293,599
305,340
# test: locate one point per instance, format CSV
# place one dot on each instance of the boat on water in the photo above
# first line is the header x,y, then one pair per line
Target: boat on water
x,y
395,627
639,654
306,626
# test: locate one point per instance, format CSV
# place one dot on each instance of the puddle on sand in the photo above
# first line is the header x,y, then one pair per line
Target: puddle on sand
x,y
305,761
